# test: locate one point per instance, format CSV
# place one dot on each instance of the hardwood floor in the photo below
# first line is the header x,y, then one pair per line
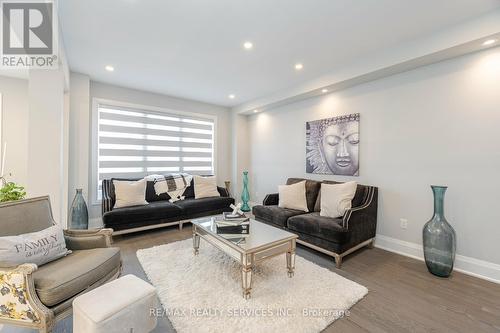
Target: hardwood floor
x,y
403,296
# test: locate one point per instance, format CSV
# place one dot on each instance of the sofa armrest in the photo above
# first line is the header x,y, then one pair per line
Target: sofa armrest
x,y
18,298
271,199
223,191
365,213
361,221
88,239
107,201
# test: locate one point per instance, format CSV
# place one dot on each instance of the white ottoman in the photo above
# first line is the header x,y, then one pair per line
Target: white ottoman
x,y
120,306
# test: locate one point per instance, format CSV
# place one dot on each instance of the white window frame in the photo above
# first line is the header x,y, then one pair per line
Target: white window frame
x,y
94,156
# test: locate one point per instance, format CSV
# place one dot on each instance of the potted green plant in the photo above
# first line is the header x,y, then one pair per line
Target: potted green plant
x,y
11,191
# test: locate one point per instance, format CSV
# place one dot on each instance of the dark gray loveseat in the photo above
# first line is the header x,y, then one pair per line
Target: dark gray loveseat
x,y
159,212
336,237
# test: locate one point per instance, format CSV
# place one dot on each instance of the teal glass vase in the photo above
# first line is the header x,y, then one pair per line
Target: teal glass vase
x,y
245,196
79,215
439,238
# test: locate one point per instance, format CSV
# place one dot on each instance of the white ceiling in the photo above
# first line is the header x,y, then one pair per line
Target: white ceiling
x,y
193,48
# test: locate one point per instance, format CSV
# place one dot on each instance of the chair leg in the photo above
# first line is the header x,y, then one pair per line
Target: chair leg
x,y
338,261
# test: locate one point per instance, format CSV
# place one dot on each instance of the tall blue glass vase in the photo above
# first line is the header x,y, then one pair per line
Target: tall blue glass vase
x,y
79,215
439,238
245,196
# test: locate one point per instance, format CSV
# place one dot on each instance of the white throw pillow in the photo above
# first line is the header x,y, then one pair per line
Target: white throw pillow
x,y
336,198
293,196
130,193
205,187
37,248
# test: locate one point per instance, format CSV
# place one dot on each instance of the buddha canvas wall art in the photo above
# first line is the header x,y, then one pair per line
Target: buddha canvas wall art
x,y
332,146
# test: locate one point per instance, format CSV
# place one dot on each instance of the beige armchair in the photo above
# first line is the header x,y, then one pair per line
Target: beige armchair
x,y
38,297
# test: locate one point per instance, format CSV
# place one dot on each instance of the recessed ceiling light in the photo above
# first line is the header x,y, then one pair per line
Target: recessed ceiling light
x,y
299,66
109,68
232,96
248,45
255,111
489,42
324,90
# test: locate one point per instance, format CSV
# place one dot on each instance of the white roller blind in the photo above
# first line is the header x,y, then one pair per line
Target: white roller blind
x,y
133,143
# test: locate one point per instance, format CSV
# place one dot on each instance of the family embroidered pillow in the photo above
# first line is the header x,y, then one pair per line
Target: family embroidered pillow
x,y
37,248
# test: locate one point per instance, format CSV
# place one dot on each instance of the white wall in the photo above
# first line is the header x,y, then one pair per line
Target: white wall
x,y
79,136
15,127
240,156
434,125
34,125
47,140
80,126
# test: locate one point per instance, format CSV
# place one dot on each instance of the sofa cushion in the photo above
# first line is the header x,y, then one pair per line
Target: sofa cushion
x,y
151,195
312,190
274,214
336,199
37,247
193,206
358,199
205,187
64,278
189,192
293,196
129,193
319,226
154,211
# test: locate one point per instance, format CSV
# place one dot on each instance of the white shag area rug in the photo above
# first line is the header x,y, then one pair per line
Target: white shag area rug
x,y
203,293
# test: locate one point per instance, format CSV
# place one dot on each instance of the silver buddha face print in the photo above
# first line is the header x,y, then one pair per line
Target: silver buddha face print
x,y
332,146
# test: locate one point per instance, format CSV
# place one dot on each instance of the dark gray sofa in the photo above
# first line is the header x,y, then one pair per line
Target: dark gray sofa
x,y
159,212
336,237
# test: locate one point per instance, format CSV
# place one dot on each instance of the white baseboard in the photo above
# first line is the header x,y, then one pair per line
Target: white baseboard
x,y
467,265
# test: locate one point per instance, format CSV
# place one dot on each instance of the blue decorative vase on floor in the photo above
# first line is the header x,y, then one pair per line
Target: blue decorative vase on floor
x,y
79,215
245,196
439,238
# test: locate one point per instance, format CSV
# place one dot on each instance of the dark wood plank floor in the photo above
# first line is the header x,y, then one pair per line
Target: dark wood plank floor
x,y
403,296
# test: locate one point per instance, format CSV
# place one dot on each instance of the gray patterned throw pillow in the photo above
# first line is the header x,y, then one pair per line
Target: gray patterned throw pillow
x,y
37,248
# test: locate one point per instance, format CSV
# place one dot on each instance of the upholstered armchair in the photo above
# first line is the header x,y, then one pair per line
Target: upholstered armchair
x,y
37,297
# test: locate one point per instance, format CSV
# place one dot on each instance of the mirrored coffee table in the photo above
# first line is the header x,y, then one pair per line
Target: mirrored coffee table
x,y
264,242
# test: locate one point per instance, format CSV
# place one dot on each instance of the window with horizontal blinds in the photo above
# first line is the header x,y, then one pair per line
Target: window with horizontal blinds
x,y
133,143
